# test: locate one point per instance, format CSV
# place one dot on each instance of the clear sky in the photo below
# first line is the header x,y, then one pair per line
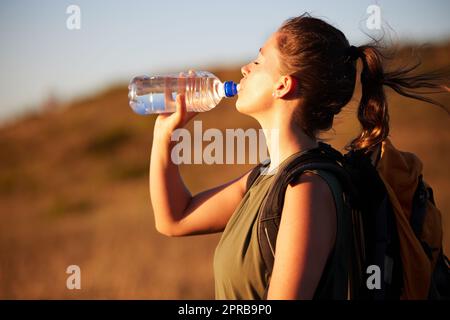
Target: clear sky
x,y
39,55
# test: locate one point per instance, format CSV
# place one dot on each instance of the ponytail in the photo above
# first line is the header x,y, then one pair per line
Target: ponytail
x,y
373,108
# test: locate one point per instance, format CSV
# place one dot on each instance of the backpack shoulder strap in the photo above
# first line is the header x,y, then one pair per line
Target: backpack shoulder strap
x,y
255,173
321,158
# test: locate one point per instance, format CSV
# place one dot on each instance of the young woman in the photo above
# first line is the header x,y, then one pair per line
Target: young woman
x,y
304,75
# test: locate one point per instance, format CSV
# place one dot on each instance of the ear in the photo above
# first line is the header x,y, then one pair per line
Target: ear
x,y
285,85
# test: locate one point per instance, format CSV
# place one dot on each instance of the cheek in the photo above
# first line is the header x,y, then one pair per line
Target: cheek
x,y
249,102
256,96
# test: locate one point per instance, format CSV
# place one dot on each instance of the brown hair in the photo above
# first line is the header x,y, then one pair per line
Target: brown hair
x,y
321,58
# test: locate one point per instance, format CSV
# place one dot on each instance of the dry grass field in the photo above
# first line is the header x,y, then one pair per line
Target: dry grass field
x,y
74,190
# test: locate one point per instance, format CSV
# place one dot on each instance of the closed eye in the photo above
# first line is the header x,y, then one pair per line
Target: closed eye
x,y
255,62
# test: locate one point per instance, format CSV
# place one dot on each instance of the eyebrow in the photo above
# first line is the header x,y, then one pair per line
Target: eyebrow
x,y
261,50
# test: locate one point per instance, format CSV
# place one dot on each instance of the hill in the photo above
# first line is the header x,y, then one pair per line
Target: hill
x,y
74,190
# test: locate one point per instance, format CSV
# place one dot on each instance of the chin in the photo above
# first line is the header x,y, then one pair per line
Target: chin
x,y
239,107
244,108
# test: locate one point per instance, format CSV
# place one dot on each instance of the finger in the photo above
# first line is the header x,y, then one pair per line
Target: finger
x,y
180,108
169,100
167,92
191,87
181,83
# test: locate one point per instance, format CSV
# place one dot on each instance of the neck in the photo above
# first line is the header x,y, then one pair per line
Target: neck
x,y
284,140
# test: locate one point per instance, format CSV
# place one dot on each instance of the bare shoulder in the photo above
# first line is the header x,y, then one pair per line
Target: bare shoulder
x,y
310,195
311,184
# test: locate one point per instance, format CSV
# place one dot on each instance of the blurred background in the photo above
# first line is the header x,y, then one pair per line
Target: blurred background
x,y
74,158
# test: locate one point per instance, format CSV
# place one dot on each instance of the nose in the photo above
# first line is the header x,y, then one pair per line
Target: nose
x,y
245,70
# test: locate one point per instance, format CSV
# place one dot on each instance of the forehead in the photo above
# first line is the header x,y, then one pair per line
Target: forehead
x,y
269,51
270,46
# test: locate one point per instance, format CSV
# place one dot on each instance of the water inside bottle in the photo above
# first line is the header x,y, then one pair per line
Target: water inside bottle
x,y
158,94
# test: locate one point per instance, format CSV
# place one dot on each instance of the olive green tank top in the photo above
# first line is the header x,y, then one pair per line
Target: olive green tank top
x,y
239,269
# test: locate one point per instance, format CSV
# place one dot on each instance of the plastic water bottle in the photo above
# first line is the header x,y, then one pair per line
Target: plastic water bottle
x,y
203,91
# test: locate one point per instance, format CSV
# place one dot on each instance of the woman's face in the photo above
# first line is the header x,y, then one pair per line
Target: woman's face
x,y
259,78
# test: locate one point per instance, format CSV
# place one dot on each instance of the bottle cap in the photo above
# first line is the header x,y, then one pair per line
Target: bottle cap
x,y
230,89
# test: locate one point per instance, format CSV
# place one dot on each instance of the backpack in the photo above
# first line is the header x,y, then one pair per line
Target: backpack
x,y
405,245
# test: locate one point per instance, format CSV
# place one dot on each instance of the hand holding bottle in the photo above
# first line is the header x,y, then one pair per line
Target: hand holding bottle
x,y
166,123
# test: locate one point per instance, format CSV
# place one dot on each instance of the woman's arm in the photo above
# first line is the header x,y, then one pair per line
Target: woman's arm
x,y
305,239
176,212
